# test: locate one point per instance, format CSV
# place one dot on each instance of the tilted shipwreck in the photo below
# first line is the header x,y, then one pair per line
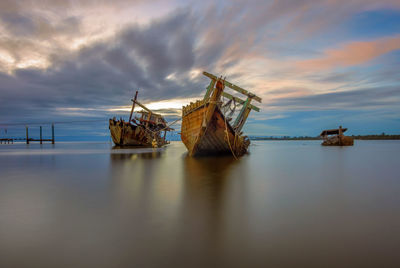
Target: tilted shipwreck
x,y
208,129
148,130
335,137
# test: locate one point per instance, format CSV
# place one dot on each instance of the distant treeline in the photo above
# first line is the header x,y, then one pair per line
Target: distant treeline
x,y
382,136
285,138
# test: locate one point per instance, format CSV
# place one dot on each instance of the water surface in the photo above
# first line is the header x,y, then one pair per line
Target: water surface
x,y
286,204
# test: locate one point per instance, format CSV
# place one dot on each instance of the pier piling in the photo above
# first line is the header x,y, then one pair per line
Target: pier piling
x,y
28,140
52,133
27,135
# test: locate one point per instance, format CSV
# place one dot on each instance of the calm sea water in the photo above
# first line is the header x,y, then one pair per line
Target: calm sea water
x,y
286,204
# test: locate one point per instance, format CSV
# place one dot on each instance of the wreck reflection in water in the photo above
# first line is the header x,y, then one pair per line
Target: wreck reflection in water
x,y
179,204
287,204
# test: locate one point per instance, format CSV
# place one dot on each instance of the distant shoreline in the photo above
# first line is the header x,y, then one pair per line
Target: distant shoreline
x,y
356,137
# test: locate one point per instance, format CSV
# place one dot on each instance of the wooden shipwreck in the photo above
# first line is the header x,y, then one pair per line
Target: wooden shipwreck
x,y
208,129
335,137
148,130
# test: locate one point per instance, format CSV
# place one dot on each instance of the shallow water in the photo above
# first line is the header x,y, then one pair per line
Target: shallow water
x,y
286,204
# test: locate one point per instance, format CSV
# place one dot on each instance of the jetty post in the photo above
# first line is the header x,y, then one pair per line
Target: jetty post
x,y
29,140
52,133
27,135
133,106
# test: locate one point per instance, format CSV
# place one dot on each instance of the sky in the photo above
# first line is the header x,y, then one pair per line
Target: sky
x,y
315,64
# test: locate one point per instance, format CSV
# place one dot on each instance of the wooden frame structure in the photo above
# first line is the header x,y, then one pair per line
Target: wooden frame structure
x,y
206,130
140,131
335,137
41,140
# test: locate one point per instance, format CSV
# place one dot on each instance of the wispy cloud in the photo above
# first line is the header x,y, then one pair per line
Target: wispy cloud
x,y
93,55
353,53
358,99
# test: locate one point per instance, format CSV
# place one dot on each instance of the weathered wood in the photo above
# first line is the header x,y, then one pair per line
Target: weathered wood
x,y
210,88
52,134
214,140
332,131
213,102
141,105
205,130
41,140
335,137
234,87
242,117
27,135
144,132
239,100
133,106
127,134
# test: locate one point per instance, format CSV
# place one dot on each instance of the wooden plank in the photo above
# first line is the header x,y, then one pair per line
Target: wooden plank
x,y
239,119
238,100
240,122
212,106
234,87
141,105
209,89
133,106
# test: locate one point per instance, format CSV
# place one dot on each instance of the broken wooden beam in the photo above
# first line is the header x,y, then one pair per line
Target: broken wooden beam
x,y
235,87
239,100
209,89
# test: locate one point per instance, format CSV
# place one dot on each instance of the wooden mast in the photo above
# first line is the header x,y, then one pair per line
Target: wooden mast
x,y
133,106
209,89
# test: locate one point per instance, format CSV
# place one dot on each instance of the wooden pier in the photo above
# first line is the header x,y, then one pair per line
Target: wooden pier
x,y
41,140
6,141
28,140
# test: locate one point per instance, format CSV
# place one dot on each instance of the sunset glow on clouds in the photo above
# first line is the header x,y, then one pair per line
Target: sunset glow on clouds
x,y
353,53
308,60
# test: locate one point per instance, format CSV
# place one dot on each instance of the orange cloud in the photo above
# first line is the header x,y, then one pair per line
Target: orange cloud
x,y
353,53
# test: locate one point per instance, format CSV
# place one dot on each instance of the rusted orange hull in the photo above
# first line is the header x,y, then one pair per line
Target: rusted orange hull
x,y
125,134
214,137
338,141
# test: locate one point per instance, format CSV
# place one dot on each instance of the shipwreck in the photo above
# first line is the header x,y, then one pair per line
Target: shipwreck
x,y
207,125
335,137
148,130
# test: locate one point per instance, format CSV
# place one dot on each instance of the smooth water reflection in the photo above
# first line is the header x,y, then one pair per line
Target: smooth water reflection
x,y
285,204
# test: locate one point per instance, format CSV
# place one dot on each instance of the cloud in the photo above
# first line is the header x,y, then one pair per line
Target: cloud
x,y
90,55
107,73
357,99
353,53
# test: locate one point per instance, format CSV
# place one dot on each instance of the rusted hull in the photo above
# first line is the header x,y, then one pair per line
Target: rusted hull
x,y
125,134
338,141
214,137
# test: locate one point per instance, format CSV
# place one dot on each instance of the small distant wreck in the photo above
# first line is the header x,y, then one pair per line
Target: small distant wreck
x,y
335,137
145,131
207,127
